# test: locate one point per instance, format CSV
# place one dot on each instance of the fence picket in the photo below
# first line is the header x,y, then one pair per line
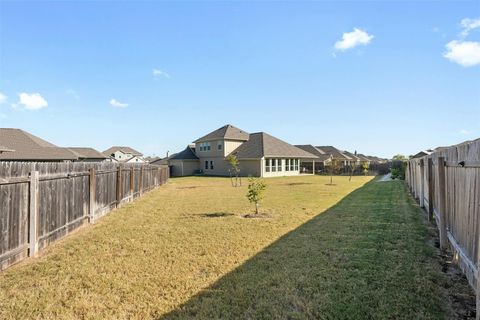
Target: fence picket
x,y
43,202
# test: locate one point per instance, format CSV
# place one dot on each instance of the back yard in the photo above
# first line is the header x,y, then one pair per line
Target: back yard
x,y
353,250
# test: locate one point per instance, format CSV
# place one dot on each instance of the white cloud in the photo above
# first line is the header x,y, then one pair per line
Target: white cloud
x,y
32,101
465,132
117,104
469,25
465,53
352,39
3,98
160,73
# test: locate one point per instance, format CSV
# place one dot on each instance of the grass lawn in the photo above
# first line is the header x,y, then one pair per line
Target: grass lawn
x,y
185,251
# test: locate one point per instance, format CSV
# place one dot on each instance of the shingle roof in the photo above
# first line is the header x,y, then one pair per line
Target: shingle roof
x,y
363,157
124,149
351,155
423,153
30,147
152,159
5,149
227,132
337,154
262,144
187,154
322,156
87,153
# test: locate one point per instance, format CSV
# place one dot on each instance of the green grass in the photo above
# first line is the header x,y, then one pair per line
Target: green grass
x,y
185,251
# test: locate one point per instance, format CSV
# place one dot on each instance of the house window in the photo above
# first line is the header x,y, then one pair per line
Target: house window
x,y
219,146
206,165
292,164
267,165
287,164
204,146
211,165
297,162
274,165
279,165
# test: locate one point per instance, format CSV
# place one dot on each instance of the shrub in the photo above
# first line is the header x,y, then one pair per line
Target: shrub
x,y
256,189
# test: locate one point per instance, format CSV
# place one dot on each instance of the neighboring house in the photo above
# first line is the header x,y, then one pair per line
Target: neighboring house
x,y
151,159
27,147
342,159
422,153
364,159
124,154
184,163
88,154
316,165
259,154
377,160
355,160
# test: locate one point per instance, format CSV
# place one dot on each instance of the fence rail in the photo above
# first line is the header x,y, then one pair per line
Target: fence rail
x,y
447,184
43,202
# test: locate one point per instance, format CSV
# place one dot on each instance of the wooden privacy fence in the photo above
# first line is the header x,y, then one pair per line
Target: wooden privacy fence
x,y
447,184
42,202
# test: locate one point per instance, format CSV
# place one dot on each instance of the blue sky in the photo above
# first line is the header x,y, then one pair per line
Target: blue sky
x,y
380,78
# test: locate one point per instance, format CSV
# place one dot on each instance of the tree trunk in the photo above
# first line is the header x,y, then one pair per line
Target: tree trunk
x,y
257,208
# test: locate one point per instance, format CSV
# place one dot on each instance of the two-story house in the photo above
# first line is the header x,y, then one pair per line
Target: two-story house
x,y
259,154
124,154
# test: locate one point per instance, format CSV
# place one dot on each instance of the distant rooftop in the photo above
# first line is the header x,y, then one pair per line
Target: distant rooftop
x,y
124,149
26,146
227,132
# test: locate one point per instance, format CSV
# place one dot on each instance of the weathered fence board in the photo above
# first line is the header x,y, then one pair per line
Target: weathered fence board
x,y
454,200
43,202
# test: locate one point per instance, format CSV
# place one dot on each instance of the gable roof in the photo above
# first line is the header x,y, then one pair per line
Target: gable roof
x,y
124,149
187,154
422,153
262,144
29,147
351,155
322,156
337,154
87,153
227,132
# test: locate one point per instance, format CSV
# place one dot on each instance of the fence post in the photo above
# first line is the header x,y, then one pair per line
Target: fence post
x,y
119,185
93,186
140,187
431,199
33,215
443,203
422,183
132,181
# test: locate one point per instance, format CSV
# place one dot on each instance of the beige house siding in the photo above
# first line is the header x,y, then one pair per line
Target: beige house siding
x,y
251,168
221,167
181,168
227,147
230,146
